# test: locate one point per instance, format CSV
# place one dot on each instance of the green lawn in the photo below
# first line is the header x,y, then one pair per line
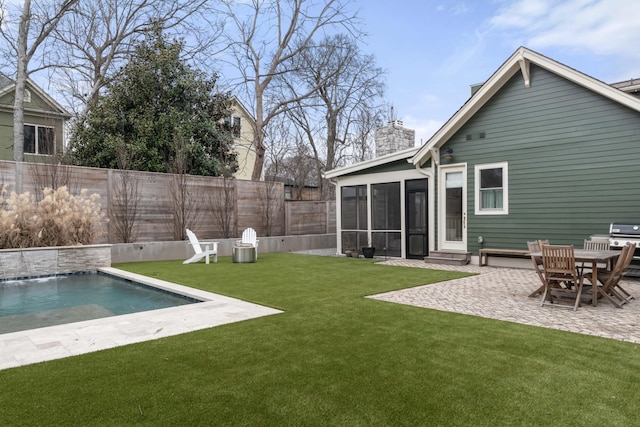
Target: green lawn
x,y
333,358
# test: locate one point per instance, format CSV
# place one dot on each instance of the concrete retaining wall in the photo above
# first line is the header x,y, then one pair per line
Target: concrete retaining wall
x,y
35,262
160,251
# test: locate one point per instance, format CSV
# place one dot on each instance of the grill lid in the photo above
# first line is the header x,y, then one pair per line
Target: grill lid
x,y
624,229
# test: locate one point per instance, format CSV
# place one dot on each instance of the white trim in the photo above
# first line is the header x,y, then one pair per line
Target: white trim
x,y
62,112
381,178
398,155
505,188
35,142
520,60
442,193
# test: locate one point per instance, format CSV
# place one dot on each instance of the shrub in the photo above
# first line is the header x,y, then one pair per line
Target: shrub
x,y
59,219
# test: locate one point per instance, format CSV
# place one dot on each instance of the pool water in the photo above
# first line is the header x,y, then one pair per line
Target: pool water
x,y
35,303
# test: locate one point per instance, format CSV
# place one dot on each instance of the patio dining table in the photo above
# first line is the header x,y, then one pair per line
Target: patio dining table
x,y
594,257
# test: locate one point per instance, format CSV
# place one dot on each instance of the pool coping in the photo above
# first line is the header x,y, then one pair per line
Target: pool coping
x,y
56,342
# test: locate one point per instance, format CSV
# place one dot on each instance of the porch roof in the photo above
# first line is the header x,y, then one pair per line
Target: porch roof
x,y
367,164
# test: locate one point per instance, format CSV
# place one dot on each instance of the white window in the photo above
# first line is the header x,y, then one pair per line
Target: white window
x,y
234,123
492,189
39,139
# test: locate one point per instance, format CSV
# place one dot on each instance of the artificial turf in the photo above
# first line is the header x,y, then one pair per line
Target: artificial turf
x,y
332,358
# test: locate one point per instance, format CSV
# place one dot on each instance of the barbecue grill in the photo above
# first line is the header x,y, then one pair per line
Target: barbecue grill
x,y
621,233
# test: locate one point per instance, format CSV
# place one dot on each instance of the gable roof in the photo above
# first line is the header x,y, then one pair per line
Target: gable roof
x,y
7,86
4,81
520,60
243,109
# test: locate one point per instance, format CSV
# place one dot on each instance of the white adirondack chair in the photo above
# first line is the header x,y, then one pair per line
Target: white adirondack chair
x,y
210,248
249,238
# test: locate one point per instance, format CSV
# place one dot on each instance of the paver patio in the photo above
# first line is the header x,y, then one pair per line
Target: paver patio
x,y
502,294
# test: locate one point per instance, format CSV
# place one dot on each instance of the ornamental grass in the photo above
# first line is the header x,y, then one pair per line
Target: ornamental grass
x,y
59,219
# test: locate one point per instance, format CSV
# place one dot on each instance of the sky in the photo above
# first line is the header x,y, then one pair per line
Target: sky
x,y
433,51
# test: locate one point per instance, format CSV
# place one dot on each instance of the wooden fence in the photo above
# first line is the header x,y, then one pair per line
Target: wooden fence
x,y
204,202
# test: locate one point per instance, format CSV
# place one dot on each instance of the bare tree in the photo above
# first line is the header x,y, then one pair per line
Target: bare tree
x,y
23,39
125,200
338,120
89,45
222,205
351,84
52,172
183,195
266,35
223,201
364,123
270,205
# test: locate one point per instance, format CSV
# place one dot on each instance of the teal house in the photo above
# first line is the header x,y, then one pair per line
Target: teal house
x,y
539,151
44,122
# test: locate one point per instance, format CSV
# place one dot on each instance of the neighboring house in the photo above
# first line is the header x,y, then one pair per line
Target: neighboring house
x,y
242,123
296,191
539,151
44,121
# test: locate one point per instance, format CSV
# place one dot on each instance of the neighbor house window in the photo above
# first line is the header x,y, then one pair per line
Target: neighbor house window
x,y
39,139
234,123
491,185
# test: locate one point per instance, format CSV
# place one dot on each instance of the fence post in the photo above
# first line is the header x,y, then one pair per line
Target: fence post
x,y
287,218
326,217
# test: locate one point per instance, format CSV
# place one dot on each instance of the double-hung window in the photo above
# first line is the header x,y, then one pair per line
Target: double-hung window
x,y
492,189
39,139
234,123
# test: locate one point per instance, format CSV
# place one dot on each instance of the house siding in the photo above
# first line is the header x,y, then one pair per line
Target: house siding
x,y
37,112
572,157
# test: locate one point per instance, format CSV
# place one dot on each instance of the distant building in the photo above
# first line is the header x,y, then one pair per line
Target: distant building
x,y
44,121
242,123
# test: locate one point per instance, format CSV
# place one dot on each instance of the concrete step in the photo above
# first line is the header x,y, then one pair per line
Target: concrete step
x,y
448,257
445,260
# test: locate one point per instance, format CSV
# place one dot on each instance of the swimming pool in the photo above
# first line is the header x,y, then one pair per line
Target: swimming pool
x,y
35,303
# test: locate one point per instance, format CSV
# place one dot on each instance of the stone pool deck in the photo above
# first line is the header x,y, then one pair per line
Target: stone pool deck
x,y
56,342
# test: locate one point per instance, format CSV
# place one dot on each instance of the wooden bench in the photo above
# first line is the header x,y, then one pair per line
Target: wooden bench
x,y
485,252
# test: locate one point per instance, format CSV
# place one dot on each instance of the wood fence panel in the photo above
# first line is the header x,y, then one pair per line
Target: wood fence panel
x,y
248,204
309,217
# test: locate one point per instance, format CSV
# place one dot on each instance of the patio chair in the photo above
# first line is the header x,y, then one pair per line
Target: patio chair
x,y
249,237
627,296
611,279
210,248
534,246
559,265
617,290
594,245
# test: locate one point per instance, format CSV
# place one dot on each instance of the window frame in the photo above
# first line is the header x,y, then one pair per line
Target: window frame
x,y
479,210
235,124
36,142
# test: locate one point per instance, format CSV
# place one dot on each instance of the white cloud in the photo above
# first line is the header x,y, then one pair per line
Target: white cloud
x,y
459,9
601,27
425,128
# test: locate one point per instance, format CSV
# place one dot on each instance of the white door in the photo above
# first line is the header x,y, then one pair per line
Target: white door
x,y
453,208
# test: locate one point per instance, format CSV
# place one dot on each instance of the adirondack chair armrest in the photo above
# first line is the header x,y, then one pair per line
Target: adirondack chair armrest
x,y
209,245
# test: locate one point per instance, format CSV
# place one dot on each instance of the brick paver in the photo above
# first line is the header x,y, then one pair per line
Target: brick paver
x,y
502,293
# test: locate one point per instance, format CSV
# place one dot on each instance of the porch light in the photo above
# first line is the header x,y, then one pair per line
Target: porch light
x,y
447,155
